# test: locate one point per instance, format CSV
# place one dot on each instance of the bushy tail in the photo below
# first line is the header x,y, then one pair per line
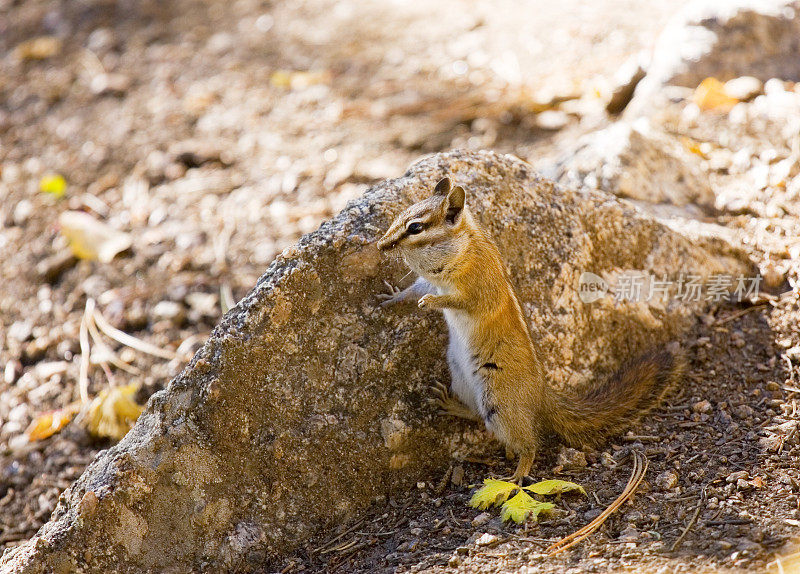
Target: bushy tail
x,y
585,418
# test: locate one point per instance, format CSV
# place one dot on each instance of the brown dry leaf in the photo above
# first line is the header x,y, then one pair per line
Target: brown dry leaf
x,y
113,412
710,95
48,424
92,239
39,48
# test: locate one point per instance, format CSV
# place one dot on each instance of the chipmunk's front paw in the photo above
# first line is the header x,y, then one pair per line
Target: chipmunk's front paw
x,y
426,301
441,394
393,295
450,405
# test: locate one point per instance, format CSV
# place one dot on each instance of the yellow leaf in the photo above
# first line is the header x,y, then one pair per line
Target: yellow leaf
x,y
492,492
281,79
92,239
38,48
710,95
113,412
694,147
522,506
297,80
546,487
48,424
54,184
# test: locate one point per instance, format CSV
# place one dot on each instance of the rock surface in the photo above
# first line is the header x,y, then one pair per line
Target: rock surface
x,y
307,401
636,161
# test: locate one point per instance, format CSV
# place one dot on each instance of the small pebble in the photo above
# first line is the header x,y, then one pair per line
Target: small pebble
x,y
169,311
110,84
591,514
486,539
12,371
607,460
667,480
634,516
736,476
629,534
703,407
552,120
20,331
481,519
570,458
744,88
22,212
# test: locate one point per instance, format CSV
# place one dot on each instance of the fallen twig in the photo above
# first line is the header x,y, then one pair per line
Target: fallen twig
x,y
642,438
691,522
324,548
640,465
444,482
736,314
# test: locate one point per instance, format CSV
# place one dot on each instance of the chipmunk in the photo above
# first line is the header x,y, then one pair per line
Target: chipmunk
x,y
495,369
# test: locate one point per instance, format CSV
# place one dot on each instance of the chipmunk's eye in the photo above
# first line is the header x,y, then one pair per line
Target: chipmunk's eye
x,y
414,228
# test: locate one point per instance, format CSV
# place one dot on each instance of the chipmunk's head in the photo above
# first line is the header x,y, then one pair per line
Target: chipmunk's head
x,y
428,231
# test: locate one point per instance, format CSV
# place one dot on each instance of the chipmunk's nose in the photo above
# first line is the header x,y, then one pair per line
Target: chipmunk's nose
x,y
384,243
388,241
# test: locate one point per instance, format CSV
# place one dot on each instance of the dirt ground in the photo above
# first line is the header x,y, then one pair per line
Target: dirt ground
x,y
216,133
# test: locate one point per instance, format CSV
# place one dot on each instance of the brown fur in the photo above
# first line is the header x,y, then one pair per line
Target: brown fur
x,y
465,269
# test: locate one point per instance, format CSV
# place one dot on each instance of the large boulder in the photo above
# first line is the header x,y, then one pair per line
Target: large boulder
x,y
308,401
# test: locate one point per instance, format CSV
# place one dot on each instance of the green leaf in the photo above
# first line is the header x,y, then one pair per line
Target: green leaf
x,y
547,487
522,506
492,492
54,184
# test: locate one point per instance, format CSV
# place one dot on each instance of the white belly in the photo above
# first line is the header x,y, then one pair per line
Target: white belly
x,y
466,382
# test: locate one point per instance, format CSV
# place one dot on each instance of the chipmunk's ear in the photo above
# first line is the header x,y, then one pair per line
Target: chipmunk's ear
x,y
443,187
455,204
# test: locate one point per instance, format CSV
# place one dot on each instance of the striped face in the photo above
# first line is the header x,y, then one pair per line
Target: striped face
x,y
429,222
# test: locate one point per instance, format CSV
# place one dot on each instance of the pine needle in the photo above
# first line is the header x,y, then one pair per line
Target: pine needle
x,y
83,373
129,340
640,465
105,351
